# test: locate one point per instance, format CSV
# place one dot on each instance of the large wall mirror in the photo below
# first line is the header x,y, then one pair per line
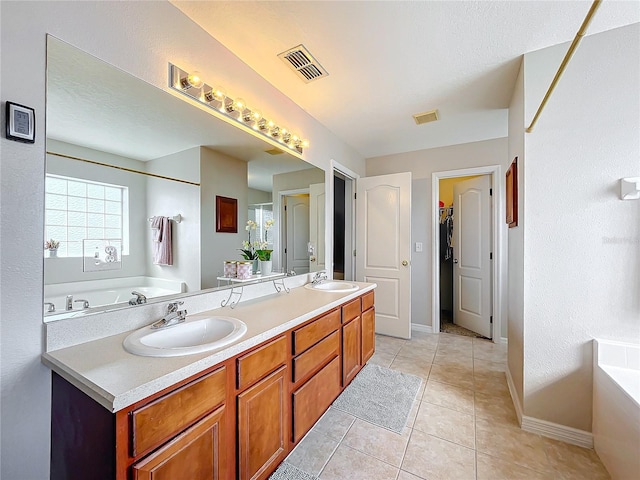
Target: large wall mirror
x,y
129,164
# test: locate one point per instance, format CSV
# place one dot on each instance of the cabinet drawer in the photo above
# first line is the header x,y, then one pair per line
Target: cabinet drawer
x,y
312,333
351,310
162,419
314,397
255,365
367,301
316,356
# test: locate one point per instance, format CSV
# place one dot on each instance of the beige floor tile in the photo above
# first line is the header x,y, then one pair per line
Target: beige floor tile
x,y
430,458
490,468
490,382
411,350
455,349
574,463
492,352
407,476
378,442
450,396
389,345
457,427
381,358
453,375
313,452
453,359
496,408
414,366
349,464
511,445
430,341
334,424
481,366
413,413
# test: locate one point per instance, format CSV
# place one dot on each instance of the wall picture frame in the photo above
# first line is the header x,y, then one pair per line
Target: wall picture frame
x,y
226,214
20,122
512,194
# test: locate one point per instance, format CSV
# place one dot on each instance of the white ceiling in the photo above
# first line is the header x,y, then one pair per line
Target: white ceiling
x,y
388,60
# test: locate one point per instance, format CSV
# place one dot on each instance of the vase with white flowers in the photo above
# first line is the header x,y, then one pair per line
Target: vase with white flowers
x,y
52,246
264,254
249,248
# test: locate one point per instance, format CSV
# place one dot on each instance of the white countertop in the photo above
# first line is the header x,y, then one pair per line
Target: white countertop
x,y
115,378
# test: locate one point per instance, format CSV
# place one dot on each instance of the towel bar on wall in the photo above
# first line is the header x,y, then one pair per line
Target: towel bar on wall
x,y
176,218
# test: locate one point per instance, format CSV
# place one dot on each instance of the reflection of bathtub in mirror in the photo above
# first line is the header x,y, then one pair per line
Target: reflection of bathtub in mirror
x,y
100,293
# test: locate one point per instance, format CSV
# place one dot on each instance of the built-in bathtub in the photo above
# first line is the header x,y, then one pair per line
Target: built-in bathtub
x,y
101,293
616,407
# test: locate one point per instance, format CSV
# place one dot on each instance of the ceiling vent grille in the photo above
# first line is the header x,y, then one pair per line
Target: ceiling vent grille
x,y
426,117
303,64
274,151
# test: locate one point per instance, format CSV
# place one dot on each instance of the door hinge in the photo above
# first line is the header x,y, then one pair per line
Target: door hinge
x,y
354,253
490,255
285,250
491,192
355,196
285,208
491,319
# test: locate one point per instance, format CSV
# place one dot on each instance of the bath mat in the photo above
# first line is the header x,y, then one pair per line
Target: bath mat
x,y
286,471
449,327
380,396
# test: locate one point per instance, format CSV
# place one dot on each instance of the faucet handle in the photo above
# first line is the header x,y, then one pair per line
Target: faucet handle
x,y
85,303
173,306
50,307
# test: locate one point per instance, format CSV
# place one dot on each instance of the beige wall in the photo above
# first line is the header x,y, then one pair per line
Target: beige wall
x,y
581,242
422,164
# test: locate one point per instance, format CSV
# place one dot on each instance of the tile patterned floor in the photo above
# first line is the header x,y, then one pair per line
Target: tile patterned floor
x,y
462,424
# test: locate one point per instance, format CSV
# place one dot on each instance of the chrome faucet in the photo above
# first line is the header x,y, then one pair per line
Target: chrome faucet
x,y
85,303
173,316
319,277
140,298
69,303
50,307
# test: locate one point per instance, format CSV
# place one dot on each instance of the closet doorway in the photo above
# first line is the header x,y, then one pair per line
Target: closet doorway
x,y
467,260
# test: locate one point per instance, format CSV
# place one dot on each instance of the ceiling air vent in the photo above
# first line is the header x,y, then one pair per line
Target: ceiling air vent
x,y
426,117
303,63
274,151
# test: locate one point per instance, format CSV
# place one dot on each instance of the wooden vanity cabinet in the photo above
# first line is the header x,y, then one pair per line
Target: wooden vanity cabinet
x,y
263,412
237,420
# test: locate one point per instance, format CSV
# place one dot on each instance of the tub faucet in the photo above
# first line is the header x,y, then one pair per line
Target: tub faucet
x,y
69,303
50,307
140,298
85,303
173,316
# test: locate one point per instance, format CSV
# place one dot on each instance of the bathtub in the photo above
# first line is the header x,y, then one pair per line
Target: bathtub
x,y
616,407
100,293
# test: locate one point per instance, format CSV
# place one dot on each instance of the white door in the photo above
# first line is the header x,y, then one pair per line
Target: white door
x,y
383,251
472,255
316,251
297,210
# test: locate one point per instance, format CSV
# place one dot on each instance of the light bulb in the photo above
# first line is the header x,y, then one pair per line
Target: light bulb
x,y
215,94
192,80
305,144
275,131
286,136
263,124
239,104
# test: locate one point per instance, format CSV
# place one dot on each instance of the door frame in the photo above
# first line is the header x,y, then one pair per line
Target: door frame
x,y
498,241
336,167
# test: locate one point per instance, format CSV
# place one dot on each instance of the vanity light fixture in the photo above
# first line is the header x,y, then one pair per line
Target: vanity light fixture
x,y
192,85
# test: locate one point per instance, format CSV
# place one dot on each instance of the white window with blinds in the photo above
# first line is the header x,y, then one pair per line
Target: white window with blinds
x,y
77,209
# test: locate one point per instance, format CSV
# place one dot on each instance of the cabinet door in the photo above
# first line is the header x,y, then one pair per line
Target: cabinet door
x,y
350,350
368,334
197,454
262,417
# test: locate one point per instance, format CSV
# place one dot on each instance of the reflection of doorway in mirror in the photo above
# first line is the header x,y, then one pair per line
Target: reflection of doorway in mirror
x,y
343,227
296,226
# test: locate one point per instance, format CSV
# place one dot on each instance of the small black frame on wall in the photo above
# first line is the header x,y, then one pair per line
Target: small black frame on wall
x,y
21,123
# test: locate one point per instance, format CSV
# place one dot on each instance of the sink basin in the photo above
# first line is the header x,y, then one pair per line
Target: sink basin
x,y
333,286
195,335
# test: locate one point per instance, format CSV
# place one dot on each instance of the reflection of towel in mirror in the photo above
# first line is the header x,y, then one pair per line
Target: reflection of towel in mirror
x,y
161,239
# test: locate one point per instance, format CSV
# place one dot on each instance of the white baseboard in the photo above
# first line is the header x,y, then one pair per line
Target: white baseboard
x,y
514,396
545,428
504,340
421,328
557,431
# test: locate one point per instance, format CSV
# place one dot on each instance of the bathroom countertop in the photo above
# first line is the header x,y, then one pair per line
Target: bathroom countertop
x,y
115,378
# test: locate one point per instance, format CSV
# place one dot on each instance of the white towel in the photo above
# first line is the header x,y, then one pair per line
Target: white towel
x,y
161,236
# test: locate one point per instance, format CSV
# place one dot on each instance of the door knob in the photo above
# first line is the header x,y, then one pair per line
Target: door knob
x,y
455,260
312,259
404,263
